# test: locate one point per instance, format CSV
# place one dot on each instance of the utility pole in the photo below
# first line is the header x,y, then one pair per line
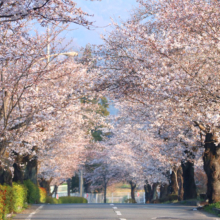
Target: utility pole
x,y
81,183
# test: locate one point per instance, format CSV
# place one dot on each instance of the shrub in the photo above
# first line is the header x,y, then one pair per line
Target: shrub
x,y
124,199
33,194
52,200
130,201
16,197
9,199
69,199
19,196
2,201
165,199
173,197
6,201
43,194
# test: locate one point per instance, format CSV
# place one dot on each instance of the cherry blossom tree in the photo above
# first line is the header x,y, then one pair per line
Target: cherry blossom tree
x,y
165,59
42,121
45,11
40,103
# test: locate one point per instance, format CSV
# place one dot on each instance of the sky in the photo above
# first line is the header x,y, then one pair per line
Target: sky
x,y
103,11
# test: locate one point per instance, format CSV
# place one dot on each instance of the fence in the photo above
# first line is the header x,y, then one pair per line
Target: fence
x,y
123,197
111,198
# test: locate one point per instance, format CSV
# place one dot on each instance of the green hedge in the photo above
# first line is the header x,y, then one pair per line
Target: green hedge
x,y
69,199
66,200
51,200
12,199
6,201
33,195
19,196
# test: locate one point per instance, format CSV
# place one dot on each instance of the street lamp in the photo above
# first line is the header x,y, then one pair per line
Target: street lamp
x,y
68,54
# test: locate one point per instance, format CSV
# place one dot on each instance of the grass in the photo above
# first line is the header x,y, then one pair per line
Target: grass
x,y
209,208
125,186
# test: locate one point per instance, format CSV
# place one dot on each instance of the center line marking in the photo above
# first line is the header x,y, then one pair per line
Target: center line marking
x,y
118,212
40,207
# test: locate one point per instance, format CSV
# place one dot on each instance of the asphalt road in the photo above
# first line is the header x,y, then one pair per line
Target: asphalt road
x,y
113,212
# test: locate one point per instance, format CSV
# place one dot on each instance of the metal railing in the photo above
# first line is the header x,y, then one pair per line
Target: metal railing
x,y
113,198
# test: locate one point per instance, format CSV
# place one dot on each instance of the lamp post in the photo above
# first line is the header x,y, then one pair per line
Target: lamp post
x,y
69,54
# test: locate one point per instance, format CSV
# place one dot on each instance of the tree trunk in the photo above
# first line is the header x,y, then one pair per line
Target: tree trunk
x,y
31,170
164,191
133,186
87,186
105,190
68,187
174,183
54,191
180,183
5,172
211,158
18,174
3,146
5,176
148,193
154,189
189,185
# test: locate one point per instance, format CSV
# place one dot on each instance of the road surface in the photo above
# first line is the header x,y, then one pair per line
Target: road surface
x,y
113,212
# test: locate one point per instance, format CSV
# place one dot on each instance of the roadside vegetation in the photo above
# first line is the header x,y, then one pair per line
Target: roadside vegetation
x,y
15,198
213,208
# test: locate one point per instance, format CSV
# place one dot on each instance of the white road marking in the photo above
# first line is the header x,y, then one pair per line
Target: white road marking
x,y
111,204
161,217
40,207
122,219
118,212
114,207
33,213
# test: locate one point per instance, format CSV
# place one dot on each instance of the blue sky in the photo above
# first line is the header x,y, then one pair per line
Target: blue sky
x,y
103,11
